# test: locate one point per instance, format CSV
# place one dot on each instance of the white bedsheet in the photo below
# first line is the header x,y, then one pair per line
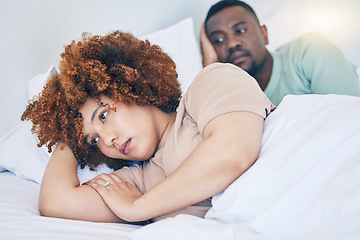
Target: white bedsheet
x,y
20,220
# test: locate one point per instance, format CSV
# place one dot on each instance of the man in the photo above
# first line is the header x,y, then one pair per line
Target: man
x,y
310,64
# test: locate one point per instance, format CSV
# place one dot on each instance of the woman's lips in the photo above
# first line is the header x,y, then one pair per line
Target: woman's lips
x,y
125,147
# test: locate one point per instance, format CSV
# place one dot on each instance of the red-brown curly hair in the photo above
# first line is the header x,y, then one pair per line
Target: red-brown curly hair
x,y
117,65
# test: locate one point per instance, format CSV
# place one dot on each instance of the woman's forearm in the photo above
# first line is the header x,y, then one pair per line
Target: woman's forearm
x,y
231,145
62,196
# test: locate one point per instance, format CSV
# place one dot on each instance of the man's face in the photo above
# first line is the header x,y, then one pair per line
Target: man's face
x,y
238,38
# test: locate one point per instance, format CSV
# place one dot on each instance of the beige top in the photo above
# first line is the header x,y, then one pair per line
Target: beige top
x,y
217,89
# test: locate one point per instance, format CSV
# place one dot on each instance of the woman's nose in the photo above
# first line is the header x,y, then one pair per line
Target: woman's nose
x,y
108,138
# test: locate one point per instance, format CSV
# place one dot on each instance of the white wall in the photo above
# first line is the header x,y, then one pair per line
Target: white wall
x,y
33,32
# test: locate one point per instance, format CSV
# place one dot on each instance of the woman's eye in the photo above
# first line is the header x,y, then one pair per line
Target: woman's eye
x,y
94,141
103,116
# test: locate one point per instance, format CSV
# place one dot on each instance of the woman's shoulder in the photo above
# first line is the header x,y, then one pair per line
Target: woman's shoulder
x,y
215,74
219,69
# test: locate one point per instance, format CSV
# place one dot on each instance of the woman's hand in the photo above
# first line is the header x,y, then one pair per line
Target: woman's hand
x,y
207,49
119,196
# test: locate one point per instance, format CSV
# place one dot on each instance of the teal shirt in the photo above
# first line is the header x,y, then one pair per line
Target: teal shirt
x,y
311,64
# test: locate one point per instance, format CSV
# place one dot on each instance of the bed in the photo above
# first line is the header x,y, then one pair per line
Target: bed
x,y
304,185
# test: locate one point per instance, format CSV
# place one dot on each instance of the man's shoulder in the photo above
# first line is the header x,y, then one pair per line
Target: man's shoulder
x,y
307,40
310,44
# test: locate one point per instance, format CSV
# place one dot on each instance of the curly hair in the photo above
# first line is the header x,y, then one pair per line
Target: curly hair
x,y
117,65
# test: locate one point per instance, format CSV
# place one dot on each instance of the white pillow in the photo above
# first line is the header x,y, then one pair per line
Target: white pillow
x,y
20,155
18,151
180,43
36,84
280,31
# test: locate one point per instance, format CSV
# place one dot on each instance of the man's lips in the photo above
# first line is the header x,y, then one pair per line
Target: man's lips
x,y
237,57
125,147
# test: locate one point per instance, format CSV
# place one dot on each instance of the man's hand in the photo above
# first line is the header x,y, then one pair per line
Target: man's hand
x,y
208,52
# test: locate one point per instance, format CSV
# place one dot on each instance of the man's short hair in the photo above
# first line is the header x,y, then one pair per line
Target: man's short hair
x,y
229,3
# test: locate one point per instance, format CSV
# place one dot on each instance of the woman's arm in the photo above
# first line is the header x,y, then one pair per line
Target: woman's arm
x,y
62,196
231,145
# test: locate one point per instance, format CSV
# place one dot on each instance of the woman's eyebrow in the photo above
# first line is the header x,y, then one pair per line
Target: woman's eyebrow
x,y
94,113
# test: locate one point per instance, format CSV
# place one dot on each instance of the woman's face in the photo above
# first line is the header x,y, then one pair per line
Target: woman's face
x,y
121,131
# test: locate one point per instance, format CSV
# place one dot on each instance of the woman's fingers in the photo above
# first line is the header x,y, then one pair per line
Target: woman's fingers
x,y
104,180
116,178
107,181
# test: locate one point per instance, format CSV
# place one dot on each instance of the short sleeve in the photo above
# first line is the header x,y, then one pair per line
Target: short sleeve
x,y
222,88
132,175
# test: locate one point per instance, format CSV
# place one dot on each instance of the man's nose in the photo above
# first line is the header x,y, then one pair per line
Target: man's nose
x,y
233,42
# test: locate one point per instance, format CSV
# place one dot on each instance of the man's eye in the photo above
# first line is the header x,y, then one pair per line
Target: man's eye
x,y
103,116
219,40
94,141
241,30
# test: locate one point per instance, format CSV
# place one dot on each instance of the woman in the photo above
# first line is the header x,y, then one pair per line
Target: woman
x,y
116,100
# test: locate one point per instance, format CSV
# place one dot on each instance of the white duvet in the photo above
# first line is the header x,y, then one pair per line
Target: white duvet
x,y
305,184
